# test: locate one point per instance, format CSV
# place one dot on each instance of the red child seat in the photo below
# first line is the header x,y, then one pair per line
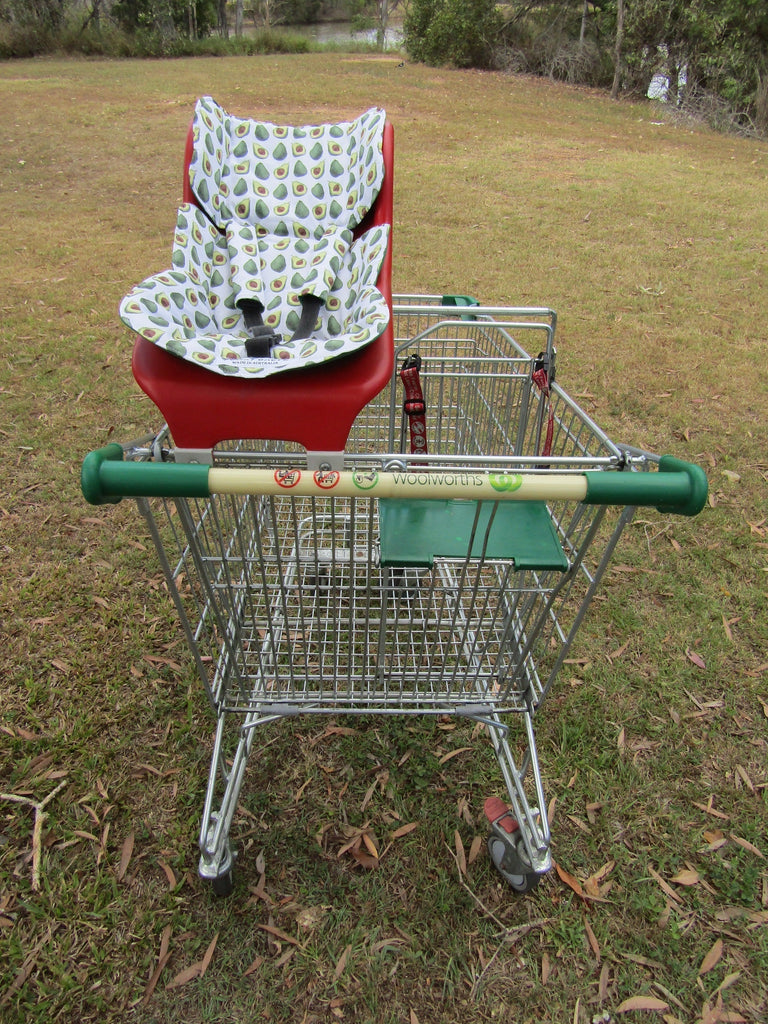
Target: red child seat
x,y
313,406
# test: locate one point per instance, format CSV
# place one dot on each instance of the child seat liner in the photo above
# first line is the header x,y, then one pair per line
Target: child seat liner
x,y
273,220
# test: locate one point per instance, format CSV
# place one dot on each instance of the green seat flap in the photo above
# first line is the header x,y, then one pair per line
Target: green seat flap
x,y
416,532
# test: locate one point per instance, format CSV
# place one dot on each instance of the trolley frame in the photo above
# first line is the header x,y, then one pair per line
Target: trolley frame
x,y
291,595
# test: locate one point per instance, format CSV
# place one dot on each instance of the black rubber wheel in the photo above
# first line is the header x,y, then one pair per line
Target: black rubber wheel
x,y
520,883
224,884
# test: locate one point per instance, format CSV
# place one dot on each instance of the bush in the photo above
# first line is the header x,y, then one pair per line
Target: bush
x,y
459,32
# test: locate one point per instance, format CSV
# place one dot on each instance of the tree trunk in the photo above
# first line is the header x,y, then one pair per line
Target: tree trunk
x,y
222,19
239,18
583,30
619,44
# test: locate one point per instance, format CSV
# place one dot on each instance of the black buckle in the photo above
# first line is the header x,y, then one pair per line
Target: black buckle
x,y
543,361
413,362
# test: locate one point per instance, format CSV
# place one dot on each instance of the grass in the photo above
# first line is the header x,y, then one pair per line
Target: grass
x,y
650,242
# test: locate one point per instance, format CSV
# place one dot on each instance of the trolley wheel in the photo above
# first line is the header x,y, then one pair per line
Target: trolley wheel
x,y
520,883
224,884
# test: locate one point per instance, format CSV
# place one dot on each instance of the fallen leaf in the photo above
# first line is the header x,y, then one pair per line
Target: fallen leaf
x,y
413,1019
687,878
570,880
461,857
546,968
709,809
642,1003
365,860
453,753
278,934
614,655
746,845
168,873
125,856
405,830
370,845
475,848
185,976
666,887
205,962
162,960
712,957
255,965
741,772
342,963
592,939
694,658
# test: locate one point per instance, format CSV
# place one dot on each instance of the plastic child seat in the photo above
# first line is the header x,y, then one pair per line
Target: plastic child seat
x,y
246,230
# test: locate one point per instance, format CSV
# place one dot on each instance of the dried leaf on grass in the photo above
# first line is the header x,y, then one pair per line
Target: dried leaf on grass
x,y
642,1003
405,830
570,880
168,872
694,658
254,966
475,848
546,968
712,957
746,845
592,939
665,886
125,856
461,857
362,846
453,753
342,963
278,933
688,877
196,970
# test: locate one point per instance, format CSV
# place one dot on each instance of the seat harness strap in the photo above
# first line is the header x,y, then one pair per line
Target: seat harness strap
x,y
541,378
413,405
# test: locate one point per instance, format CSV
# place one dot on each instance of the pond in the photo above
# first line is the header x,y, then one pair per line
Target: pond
x,y
340,32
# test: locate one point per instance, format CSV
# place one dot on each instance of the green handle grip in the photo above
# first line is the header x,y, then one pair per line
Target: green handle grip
x,y
106,478
679,487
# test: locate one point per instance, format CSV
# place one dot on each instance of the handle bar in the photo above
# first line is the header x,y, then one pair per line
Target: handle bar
x,y
678,487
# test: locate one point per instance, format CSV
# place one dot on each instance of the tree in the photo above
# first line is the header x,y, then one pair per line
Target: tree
x,y
166,17
617,52
459,32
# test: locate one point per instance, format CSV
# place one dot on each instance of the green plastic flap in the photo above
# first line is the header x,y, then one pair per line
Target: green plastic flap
x,y
417,532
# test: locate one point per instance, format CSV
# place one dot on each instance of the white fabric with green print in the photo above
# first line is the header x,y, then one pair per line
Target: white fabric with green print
x,y
261,240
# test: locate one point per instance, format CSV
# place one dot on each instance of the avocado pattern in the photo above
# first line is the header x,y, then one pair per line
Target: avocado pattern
x,y
190,309
278,208
273,175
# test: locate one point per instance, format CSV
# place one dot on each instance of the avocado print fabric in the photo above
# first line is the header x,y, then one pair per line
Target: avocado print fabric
x,y
256,238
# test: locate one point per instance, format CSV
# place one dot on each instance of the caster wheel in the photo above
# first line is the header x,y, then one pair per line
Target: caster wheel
x,y
520,883
224,884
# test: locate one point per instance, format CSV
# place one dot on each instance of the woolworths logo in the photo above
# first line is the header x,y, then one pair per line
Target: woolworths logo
x,y
505,482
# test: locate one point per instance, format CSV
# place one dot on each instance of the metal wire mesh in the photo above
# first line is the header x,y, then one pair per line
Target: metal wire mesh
x,y
286,604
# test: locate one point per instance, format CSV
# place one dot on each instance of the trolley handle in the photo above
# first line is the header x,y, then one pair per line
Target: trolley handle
x,y
678,487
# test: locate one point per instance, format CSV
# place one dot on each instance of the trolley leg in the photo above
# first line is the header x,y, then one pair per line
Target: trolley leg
x,y
519,838
217,856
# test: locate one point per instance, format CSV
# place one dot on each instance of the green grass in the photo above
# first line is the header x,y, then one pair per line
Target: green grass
x,y
649,240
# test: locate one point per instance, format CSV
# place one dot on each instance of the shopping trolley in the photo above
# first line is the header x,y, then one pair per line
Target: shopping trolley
x,y
441,565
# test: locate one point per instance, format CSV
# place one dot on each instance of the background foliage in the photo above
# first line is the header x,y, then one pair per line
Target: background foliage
x,y
709,57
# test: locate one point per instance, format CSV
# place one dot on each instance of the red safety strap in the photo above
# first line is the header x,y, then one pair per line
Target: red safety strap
x,y
413,406
541,380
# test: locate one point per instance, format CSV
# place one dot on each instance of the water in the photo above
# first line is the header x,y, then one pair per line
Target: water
x,y
341,32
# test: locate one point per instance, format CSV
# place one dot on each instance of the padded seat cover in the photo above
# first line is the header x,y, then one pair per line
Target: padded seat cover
x,y
257,237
